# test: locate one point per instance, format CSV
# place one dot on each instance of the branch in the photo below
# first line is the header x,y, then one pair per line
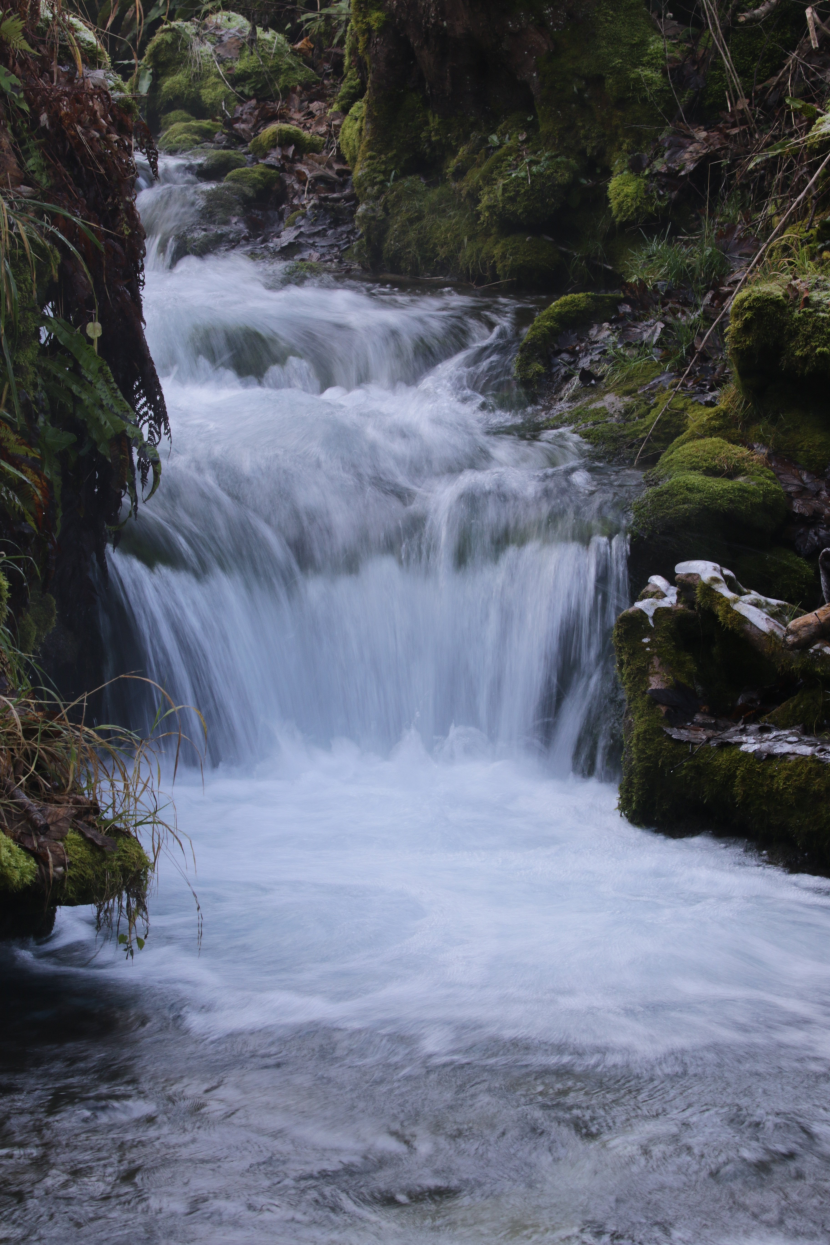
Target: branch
x,y
758,15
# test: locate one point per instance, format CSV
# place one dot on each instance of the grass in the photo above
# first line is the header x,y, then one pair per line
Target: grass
x,y
61,778
694,261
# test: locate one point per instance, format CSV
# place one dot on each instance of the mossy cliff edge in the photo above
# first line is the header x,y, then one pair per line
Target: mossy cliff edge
x,y
487,133
725,724
81,416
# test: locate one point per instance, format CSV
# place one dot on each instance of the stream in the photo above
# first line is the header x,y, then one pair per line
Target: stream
x,y
445,993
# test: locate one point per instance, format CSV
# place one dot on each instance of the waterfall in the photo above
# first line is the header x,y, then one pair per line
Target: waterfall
x,y
445,993
357,536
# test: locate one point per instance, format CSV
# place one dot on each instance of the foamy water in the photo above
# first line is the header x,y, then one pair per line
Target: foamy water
x,y
445,993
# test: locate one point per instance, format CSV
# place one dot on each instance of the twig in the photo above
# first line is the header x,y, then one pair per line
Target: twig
x,y
728,304
758,15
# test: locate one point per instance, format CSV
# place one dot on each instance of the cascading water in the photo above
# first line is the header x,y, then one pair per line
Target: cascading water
x,y
445,993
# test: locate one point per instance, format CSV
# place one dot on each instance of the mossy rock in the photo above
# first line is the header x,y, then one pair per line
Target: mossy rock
x,y
710,496
809,708
530,263
36,621
95,876
181,74
222,203
351,133
516,190
777,572
670,786
18,870
259,180
776,344
632,200
185,135
711,456
571,312
175,117
216,166
281,135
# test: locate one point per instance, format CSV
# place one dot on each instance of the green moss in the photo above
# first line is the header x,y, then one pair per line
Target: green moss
x,y
777,572
571,312
522,191
775,343
217,164
95,876
351,133
18,870
632,200
423,231
285,136
530,263
182,74
222,203
697,516
808,708
294,217
259,180
350,92
711,456
185,135
35,623
175,117
673,786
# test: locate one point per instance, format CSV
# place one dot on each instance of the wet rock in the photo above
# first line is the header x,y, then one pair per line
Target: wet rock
x,y
727,727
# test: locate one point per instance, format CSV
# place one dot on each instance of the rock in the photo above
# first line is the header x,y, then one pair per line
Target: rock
x,y
724,723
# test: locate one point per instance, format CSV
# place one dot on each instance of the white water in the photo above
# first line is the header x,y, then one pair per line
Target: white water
x,y
445,992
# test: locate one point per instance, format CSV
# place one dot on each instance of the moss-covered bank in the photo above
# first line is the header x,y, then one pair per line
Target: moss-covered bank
x,y
713,697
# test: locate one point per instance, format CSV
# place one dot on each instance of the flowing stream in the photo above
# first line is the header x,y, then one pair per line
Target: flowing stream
x,y
445,993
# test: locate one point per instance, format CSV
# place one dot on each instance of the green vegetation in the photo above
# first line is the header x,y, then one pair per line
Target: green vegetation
x,y
217,164
285,136
632,199
677,787
180,71
185,135
571,312
259,180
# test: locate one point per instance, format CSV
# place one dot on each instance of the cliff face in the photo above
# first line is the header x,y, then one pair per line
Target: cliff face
x,y
489,132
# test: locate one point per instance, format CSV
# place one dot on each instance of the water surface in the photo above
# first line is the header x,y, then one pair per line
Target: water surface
x,y
445,993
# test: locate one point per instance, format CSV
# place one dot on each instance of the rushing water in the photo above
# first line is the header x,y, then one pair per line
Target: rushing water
x,y
445,994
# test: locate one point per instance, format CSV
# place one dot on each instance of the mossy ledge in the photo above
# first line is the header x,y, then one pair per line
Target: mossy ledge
x,y
711,692
91,875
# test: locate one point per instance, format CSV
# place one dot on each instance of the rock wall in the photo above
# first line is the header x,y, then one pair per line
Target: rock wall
x,y
488,132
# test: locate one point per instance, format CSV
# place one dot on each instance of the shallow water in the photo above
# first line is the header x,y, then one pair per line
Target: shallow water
x,y
445,993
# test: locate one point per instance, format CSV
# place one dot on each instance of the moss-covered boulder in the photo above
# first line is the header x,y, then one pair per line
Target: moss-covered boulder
x,y
571,312
83,874
710,498
259,180
724,728
522,111
779,339
632,199
281,135
217,164
351,132
181,67
185,135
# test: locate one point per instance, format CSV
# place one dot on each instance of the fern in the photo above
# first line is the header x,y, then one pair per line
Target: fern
x,y
11,32
83,375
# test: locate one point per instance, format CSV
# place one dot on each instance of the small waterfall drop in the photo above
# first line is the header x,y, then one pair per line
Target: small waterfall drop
x,y
445,993
355,538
